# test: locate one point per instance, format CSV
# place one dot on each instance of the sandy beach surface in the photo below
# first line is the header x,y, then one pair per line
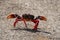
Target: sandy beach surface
x,y
47,30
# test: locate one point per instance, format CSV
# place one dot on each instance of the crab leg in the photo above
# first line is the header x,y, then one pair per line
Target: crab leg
x,y
16,21
36,24
25,23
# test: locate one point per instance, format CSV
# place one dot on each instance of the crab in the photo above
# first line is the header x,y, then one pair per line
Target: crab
x,y
26,17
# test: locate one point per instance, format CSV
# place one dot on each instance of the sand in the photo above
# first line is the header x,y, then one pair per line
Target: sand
x,y
47,30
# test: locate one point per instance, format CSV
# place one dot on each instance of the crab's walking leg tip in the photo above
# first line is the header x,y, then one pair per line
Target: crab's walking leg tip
x,y
35,28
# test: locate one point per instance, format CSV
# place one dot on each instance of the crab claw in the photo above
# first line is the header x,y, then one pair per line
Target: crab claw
x,y
10,16
42,18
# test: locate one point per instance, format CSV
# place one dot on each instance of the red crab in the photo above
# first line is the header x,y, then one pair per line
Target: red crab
x,y
26,17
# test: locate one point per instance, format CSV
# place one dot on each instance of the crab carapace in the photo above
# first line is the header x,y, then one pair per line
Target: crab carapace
x,y
27,17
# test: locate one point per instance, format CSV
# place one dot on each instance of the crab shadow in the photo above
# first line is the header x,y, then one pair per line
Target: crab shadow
x,y
31,30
